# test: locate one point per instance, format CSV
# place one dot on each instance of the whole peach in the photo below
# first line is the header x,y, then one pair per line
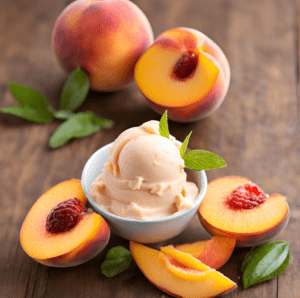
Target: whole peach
x,y
103,37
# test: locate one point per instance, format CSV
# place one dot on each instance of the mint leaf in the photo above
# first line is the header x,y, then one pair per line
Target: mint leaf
x,y
78,126
163,125
33,105
268,261
184,144
75,90
27,113
28,97
63,114
116,261
198,160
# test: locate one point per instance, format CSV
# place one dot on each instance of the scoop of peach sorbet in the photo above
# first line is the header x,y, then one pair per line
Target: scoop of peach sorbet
x,y
144,177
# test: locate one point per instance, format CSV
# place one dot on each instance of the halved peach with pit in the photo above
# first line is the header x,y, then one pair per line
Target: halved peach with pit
x,y
184,72
237,208
213,253
176,279
81,237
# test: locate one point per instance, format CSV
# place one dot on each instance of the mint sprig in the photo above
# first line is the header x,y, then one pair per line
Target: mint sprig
x,y
199,160
33,106
75,91
116,261
163,125
265,262
184,145
196,160
77,126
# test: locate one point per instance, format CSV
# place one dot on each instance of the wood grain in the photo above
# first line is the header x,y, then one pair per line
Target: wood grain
x,y
256,130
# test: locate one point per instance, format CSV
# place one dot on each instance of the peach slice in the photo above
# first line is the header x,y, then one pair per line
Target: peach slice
x,y
180,270
64,249
184,258
184,72
190,274
105,38
249,227
164,273
213,253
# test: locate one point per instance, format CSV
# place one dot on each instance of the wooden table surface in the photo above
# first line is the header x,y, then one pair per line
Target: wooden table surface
x,y
256,130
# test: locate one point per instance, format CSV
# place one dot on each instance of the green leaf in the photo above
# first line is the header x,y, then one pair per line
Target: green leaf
x,y
249,256
198,160
268,261
116,261
184,144
78,126
27,113
33,105
28,97
75,90
63,114
163,125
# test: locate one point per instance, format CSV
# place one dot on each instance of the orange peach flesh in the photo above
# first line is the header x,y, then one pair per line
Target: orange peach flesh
x,y
41,245
154,265
213,253
195,248
182,271
154,76
88,249
185,259
247,226
45,245
181,40
190,274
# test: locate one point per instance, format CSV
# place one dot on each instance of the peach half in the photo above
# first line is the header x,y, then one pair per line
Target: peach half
x,y
175,278
78,245
184,72
103,37
213,253
237,208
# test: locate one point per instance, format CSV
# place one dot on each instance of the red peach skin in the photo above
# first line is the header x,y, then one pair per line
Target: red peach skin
x,y
105,38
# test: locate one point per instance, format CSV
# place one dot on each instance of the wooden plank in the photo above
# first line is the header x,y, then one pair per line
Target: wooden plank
x,y
256,131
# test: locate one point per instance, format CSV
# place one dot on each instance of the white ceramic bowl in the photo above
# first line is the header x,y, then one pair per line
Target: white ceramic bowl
x,y
143,231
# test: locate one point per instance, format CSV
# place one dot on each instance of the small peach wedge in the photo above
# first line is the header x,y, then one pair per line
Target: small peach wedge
x,y
184,72
105,38
77,245
213,253
184,258
237,208
180,270
170,276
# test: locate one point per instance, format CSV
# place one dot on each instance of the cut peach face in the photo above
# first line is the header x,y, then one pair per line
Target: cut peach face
x,y
213,253
237,208
176,279
105,38
83,241
184,72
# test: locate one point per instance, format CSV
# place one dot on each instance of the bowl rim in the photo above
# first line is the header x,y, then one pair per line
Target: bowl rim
x,y
99,152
